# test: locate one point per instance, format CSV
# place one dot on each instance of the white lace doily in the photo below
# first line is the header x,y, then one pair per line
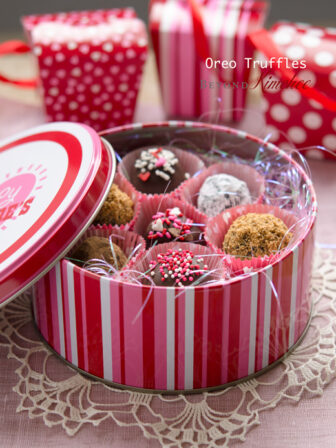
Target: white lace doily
x,y
70,400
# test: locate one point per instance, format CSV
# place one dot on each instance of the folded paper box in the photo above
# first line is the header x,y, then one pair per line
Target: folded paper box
x,y
90,64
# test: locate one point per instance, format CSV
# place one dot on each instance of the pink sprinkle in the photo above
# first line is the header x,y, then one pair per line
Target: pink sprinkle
x,y
191,279
160,162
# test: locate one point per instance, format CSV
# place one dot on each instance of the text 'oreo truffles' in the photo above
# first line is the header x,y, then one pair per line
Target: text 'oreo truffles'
x,y
172,225
220,192
157,171
178,268
256,235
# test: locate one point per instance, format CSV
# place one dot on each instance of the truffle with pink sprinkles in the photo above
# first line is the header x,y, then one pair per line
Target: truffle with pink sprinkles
x,y
178,268
172,225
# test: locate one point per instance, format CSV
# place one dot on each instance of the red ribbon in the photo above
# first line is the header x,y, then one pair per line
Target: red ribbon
x,y
200,37
263,42
16,46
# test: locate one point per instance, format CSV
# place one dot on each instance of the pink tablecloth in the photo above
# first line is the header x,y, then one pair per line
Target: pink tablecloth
x,y
309,423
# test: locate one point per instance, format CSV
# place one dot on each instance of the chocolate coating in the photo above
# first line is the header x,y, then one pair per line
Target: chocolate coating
x,y
178,268
172,225
220,192
256,235
97,247
156,170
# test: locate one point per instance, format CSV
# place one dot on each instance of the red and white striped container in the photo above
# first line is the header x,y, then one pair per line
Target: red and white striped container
x,y
183,339
184,78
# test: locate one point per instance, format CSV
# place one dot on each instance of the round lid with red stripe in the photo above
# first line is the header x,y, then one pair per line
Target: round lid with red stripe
x,y
53,180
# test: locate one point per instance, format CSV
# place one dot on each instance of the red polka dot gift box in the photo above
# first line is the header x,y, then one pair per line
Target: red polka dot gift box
x,y
90,64
301,115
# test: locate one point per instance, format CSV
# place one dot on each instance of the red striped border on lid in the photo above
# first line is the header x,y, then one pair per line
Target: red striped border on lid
x,y
53,179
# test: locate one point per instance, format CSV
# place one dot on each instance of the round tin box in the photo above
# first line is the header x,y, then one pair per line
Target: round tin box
x,y
202,337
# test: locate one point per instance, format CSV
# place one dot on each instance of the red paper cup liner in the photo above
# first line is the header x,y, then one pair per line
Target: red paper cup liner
x,y
139,268
189,190
218,226
127,188
132,244
156,203
189,163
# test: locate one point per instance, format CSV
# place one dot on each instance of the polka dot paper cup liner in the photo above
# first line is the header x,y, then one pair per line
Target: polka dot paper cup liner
x,y
132,245
218,227
140,270
127,188
157,206
189,191
189,163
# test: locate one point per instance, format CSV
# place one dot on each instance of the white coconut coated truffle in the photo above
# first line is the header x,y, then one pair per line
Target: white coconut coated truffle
x,y
220,192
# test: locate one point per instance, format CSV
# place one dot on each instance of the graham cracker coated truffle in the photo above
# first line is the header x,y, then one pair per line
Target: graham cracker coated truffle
x,y
256,235
117,208
97,247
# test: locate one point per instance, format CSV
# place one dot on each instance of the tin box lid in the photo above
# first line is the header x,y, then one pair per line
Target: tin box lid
x,y
53,181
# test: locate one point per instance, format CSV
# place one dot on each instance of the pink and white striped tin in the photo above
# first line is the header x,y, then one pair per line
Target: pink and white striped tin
x,y
183,340
181,69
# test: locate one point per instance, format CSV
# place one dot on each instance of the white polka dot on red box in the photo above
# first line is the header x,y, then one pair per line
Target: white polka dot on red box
x,y
312,120
279,112
297,134
291,97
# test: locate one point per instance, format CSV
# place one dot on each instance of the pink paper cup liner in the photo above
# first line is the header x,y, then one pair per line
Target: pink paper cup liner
x,y
189,190
190,163
218,226
139,268
127,188
153,204
132,244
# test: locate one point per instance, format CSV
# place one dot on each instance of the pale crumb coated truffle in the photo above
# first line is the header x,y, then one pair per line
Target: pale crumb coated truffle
x,y
117,208
256,235
220,192
99,248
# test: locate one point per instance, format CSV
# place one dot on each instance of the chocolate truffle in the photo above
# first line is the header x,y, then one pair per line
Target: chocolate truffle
x,y
222,191
178,268
256,235
97,247
117,208
172,225
156,170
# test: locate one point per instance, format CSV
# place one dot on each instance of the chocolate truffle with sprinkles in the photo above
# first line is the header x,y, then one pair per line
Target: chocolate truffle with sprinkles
x,y
156,170
172,225
179,268
220,192
256,235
